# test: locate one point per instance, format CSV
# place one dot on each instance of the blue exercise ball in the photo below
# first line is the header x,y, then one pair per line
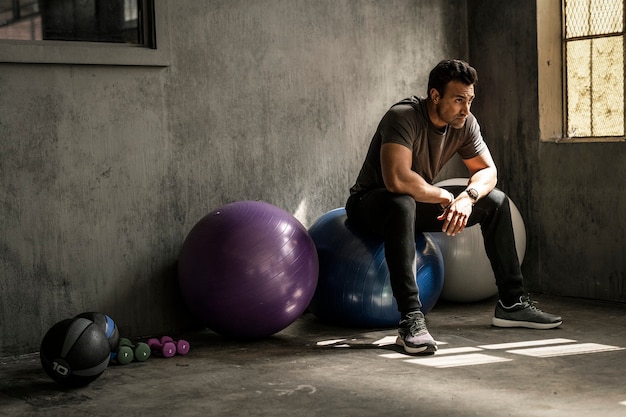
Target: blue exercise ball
x,y
353,287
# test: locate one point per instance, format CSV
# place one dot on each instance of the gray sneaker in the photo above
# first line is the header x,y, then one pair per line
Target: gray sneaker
x,y
413,335
524,314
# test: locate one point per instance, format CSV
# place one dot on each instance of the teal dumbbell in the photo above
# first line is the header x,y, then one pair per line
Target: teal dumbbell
x,y
128,352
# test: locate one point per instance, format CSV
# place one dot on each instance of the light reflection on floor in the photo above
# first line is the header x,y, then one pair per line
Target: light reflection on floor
x,y
475,355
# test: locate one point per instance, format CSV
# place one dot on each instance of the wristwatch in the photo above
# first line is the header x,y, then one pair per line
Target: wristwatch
x,y
473,194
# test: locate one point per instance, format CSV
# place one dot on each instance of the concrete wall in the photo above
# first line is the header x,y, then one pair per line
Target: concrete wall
x,y
570,195
105,168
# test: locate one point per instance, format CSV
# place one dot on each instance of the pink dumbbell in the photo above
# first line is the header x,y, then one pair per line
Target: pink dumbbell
x,y
167,347
182,346
163,348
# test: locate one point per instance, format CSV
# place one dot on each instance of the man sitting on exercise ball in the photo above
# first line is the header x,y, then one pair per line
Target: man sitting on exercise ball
x,y
394,197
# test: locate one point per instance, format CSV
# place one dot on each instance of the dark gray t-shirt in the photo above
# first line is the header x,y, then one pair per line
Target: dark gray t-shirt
x,y
407,123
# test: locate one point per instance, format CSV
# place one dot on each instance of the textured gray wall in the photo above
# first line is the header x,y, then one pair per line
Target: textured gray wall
x,y
104,169
570,195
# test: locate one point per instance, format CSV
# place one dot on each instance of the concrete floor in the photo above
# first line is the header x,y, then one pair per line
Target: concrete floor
x,y
313,369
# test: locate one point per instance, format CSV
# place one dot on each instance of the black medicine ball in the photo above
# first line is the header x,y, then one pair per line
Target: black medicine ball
x,y
107,325
74,352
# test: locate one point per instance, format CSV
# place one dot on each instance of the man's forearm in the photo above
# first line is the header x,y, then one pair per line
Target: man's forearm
x,y
483,181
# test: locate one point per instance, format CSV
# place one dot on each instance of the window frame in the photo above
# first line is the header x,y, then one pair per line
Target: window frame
x,y
551,77
154,53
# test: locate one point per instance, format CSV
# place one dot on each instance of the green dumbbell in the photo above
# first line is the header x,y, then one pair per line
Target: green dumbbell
x,y
129,352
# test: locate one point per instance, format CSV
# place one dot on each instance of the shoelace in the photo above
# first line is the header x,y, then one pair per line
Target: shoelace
x,y
528,303
524,302
417,324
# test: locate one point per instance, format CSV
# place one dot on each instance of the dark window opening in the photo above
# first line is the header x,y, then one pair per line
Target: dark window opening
x,y
113,21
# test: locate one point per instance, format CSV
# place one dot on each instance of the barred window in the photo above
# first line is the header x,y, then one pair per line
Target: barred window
x,y
593,56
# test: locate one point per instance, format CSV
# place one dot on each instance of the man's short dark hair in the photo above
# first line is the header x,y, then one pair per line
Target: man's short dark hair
x,y
451,70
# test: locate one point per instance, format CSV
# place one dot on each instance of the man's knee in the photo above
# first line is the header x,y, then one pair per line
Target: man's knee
x,y
497,198
401,209
401,204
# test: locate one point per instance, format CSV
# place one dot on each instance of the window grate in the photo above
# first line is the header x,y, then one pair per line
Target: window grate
x,y
593,45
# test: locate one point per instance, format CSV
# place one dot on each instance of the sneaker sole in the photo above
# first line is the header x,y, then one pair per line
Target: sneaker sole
x,y
422,350
526,324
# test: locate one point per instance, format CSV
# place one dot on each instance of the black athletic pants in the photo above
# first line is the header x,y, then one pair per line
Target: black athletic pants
x,y
397,218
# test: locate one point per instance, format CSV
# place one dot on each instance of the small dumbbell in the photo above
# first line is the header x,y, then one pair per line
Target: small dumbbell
x,y
182,346
167,347
128,352
163,348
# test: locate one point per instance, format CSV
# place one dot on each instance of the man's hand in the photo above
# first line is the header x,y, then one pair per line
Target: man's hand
x,y
455,217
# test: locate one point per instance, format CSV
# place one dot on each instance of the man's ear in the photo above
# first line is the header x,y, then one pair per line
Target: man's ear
x,y
434,95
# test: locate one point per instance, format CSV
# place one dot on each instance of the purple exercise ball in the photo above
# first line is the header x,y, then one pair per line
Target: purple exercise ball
x,y
248,269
